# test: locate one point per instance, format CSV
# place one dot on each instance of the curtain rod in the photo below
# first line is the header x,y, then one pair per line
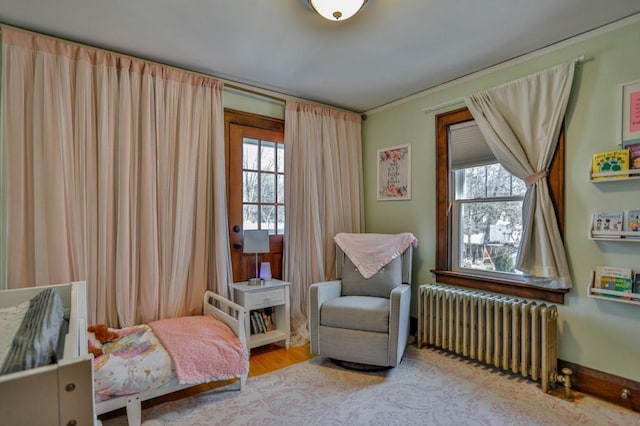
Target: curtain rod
x,y
578,61
277,96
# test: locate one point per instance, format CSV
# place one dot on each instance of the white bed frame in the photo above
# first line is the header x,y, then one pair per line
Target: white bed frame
x,y
63,393
58,394
224,310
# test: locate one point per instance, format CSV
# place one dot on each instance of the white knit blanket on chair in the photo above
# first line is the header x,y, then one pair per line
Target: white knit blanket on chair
x,y
370,252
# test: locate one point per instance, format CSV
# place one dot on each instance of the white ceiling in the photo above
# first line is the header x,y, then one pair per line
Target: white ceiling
x,y
392,49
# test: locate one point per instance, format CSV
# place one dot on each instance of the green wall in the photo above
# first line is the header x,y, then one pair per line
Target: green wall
x,y
599,334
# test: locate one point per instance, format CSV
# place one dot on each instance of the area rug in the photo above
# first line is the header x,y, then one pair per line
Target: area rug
x,y
427,388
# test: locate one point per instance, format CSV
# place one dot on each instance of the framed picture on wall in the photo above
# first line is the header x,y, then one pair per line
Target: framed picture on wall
x,y
630,113
394,173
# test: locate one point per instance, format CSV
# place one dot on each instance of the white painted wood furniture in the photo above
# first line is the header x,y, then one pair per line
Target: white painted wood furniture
x,y
273,293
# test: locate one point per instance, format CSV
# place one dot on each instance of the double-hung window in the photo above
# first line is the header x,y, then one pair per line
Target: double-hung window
x,y
479,211
486,203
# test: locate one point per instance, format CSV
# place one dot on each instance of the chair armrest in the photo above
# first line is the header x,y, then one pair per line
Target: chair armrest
x,y
400,303
326,290
318,294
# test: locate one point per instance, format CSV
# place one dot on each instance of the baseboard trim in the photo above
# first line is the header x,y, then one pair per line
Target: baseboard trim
x,y
603,385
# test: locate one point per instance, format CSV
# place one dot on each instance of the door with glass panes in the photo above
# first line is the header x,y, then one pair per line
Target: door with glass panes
x,y
256,196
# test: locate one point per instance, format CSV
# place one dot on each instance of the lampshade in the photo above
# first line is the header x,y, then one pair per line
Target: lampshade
x,y
265,270
256,241
337,10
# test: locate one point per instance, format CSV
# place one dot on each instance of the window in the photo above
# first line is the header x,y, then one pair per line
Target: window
x,y
487,219
479,211
263,185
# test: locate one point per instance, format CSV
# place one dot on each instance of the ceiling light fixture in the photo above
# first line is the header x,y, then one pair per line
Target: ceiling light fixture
x,y
337,10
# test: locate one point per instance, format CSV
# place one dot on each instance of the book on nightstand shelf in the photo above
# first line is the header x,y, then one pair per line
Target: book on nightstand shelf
x,y
262,321
254,324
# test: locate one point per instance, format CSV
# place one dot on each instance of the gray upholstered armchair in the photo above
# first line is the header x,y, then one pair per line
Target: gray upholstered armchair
x,y
358,320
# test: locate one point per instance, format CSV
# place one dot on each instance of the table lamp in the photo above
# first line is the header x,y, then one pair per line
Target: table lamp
x,y
256,241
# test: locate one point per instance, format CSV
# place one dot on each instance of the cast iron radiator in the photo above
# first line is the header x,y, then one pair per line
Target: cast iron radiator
x,y
502,331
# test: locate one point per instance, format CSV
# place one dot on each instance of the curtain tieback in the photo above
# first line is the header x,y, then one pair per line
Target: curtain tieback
x,y
531,179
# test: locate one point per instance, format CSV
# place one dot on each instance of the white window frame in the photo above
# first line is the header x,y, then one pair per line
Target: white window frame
x,y
471,155
457,242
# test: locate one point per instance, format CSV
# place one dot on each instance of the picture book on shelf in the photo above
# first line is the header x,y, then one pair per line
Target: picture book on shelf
x,y
608,221
610,161
632,221
634,155
616,284
613,278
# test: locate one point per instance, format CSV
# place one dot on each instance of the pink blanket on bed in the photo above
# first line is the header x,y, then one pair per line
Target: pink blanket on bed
x,y
202,348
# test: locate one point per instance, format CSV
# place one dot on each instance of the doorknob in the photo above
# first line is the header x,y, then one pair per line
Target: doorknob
x,y
237,246
236,228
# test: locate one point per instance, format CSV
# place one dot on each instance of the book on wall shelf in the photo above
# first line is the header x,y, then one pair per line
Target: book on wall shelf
x,y
607,223
613,278
632,223
634,154
636,283
614,161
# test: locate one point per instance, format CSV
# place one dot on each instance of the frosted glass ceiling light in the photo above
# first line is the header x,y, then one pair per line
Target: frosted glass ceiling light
x,y
337,10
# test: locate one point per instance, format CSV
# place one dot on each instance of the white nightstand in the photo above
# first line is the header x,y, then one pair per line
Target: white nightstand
x,y
273,294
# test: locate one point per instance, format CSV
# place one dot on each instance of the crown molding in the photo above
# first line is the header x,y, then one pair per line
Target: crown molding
x,y
607,28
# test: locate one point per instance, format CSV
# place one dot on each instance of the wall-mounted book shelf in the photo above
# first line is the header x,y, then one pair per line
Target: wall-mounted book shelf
x,y
623,236
611,295
621,176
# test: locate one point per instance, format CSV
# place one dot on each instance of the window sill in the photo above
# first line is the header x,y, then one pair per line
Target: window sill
x,y
500,286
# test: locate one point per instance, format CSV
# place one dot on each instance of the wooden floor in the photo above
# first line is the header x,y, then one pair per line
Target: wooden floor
x,y
262,360
269,358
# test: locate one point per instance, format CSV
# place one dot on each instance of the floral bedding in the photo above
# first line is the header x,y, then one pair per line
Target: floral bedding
x,y
197,349
134,363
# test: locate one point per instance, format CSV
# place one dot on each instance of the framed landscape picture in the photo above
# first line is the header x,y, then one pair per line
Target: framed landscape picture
x,y
394,173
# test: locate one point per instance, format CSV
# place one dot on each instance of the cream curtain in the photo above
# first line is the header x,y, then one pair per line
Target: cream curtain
x,y
115,175
3,191
521,122
323,196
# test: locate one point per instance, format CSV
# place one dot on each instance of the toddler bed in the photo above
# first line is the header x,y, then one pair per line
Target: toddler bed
x,y
147,361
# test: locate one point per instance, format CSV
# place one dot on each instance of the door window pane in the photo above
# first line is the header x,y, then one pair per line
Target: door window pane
x,y
280,158
250,216
280,189
267,156
268,188
250,187
250,153
280,223
268,217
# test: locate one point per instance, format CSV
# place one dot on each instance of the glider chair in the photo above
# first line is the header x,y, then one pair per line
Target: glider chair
x,y
358,322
